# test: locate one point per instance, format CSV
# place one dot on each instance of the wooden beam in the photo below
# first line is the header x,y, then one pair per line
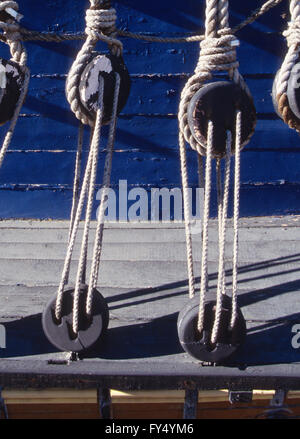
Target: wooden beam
x,y
73,396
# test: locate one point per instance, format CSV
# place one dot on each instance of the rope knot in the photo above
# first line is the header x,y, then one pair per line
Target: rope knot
x,y
218,53
100,21
10,17
292,34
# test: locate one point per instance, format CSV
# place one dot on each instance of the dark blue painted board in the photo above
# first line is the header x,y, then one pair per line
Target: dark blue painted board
x,y
50,202
43,148
57,167
149,94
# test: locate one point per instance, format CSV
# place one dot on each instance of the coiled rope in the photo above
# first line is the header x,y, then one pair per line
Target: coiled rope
x,y
217,53
292,35
99,27
18,52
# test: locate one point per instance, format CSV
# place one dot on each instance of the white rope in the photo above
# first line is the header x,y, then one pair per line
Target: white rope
x,y
220,207
222,241
236,208
100,26
292,35
71,243
187,219
204,260
91,191
77,172
218,53
105,186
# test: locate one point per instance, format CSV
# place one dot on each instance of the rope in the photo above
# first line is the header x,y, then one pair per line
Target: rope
x,y
105,185
222,240
236,208
217,53
76,185
90,198
100,26
187,222
19,56
292,35
204,263
31,35
97,20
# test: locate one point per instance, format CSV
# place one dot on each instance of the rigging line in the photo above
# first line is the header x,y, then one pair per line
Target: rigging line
x,y
187,212
90,198
72,239
236,207
77,173
30,35
106,184
222,240
204,268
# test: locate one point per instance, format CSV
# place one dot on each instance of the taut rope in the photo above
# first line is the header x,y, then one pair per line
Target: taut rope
x,y
217,53
100,26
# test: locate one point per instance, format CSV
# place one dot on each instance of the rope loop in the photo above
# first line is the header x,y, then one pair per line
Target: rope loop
x,y
281,83
100,26
217,54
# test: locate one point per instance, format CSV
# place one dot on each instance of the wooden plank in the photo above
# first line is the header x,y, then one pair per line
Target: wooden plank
x,y
49,396
146,91
74,396
56,169
250,252
141,274
143,411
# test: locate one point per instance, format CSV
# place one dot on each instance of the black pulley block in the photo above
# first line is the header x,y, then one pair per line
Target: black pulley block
x,y
198,344
105,66
218,102
11,82
91,328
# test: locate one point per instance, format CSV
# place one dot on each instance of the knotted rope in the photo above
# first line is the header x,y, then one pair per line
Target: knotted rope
x,y
292,35
100,26
217,53
87,191
18,55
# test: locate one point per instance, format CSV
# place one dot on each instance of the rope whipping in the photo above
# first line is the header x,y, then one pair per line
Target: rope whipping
x,y
217,54
292,35
11,32
100,26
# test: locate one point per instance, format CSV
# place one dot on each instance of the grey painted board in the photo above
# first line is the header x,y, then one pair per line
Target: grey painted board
x,y
145,284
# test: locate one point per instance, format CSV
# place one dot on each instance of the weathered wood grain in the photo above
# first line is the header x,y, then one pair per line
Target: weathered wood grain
x,y
147,152
144,279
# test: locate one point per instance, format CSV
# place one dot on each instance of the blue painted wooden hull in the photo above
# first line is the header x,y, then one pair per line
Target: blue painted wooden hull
x,y
37,175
